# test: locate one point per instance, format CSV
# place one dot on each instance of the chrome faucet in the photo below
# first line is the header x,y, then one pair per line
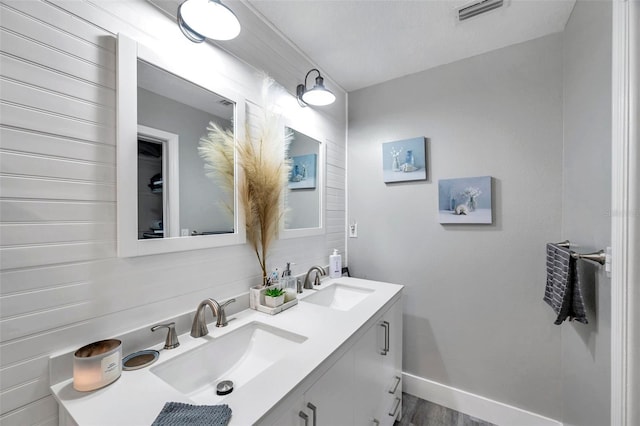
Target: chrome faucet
x,y
319,272
199,326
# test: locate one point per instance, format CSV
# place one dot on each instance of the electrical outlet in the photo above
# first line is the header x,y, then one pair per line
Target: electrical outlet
x,y
353,230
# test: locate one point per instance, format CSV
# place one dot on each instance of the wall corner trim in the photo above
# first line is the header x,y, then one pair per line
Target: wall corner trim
x,y
472,404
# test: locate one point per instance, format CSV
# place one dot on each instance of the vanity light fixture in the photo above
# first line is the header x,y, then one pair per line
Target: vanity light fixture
x,y
318,95
202,19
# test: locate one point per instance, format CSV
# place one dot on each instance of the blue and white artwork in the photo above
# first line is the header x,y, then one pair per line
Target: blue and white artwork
x,y
404,160
465,200
303,171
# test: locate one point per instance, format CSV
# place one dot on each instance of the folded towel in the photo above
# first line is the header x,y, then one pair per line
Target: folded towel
x,y
179,414
563,292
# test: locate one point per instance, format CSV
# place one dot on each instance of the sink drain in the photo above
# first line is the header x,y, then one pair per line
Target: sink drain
x,y
225,387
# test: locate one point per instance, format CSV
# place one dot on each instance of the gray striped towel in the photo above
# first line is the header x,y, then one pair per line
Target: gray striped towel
x,y
179,414
563,292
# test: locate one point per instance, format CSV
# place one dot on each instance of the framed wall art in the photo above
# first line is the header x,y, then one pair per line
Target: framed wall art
x,y
465,200
404,160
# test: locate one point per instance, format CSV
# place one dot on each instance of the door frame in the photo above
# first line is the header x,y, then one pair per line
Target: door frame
x,y
625,216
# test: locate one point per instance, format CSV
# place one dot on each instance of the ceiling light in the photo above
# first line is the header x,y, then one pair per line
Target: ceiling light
x,y
318,95
202,19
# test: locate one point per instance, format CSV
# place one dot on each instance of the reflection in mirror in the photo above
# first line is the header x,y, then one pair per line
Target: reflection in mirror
x,y
175,197
150,196
303,198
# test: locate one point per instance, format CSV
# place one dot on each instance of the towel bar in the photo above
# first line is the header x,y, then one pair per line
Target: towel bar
x,y
598,256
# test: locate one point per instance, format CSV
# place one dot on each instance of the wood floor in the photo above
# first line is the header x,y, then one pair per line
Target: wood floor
x,y
418,412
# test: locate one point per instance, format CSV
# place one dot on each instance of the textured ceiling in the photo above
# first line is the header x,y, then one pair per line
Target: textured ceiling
x,y
359,43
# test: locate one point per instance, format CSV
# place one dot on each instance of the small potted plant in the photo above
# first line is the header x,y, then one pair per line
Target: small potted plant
x,y
274,297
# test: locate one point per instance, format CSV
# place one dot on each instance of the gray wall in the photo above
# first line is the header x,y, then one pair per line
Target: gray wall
x,y
585,209
474,317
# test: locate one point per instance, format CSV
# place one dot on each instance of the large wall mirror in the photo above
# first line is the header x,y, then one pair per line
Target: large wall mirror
x,y
166,202
304,196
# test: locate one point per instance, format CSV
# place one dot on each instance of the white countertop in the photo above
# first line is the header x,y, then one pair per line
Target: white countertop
x,y
137,396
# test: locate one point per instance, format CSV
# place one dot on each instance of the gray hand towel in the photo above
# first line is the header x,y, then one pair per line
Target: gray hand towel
x,y
179,414
563,292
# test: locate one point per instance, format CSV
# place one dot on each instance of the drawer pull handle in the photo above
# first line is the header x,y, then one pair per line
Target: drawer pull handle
x,y
394,388
396,405
313,411
304,417
385,325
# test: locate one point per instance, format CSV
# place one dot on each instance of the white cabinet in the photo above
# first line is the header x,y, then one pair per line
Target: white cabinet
x,y
378,371
363,387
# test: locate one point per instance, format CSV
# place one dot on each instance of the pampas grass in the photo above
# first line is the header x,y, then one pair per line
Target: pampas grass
x,y
216,150
261,156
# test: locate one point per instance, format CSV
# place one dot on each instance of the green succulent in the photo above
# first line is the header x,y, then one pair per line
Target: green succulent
x,y
274,292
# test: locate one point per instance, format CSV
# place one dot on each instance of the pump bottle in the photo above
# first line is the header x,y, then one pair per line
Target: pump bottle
x,y
335,265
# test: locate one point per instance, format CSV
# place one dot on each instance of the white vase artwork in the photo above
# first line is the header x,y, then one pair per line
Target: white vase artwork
x,y
395,164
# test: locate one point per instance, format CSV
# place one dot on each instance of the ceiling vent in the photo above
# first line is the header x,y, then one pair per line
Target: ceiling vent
x,y
477,8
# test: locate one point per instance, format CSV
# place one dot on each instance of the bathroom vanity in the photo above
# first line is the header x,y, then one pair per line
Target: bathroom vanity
x,y
334,359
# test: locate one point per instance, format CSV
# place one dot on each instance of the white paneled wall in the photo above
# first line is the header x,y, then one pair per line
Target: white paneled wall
x,y
62,285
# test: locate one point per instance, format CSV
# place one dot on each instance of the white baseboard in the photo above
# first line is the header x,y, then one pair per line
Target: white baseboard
x,y
471,404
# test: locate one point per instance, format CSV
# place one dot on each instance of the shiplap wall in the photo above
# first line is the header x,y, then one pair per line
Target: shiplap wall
x,y
62,285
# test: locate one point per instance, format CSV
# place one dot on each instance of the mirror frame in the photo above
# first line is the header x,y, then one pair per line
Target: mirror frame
x,y
128,53
322,184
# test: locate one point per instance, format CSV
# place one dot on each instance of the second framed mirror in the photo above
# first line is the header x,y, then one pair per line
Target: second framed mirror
x,y
304,195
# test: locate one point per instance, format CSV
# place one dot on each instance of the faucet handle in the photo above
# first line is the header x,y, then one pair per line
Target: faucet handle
x,y
227,302
172,338
221,320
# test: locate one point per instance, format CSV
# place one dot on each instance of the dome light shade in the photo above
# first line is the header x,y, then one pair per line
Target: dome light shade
x,y
318,95
202,19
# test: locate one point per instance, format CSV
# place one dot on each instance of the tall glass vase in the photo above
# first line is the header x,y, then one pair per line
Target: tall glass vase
x,y
473,203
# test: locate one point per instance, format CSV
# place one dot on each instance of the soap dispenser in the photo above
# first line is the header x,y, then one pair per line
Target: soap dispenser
x,y
335,265
288,284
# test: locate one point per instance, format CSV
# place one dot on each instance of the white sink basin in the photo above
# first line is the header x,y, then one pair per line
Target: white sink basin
x,y
338,296
238,356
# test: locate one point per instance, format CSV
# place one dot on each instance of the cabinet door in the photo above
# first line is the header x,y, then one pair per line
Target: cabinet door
x,y
392,365
332,395
369,380
328,402
292,416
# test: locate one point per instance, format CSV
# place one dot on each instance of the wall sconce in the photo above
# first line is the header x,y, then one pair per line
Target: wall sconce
x,y
318,95
202,19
